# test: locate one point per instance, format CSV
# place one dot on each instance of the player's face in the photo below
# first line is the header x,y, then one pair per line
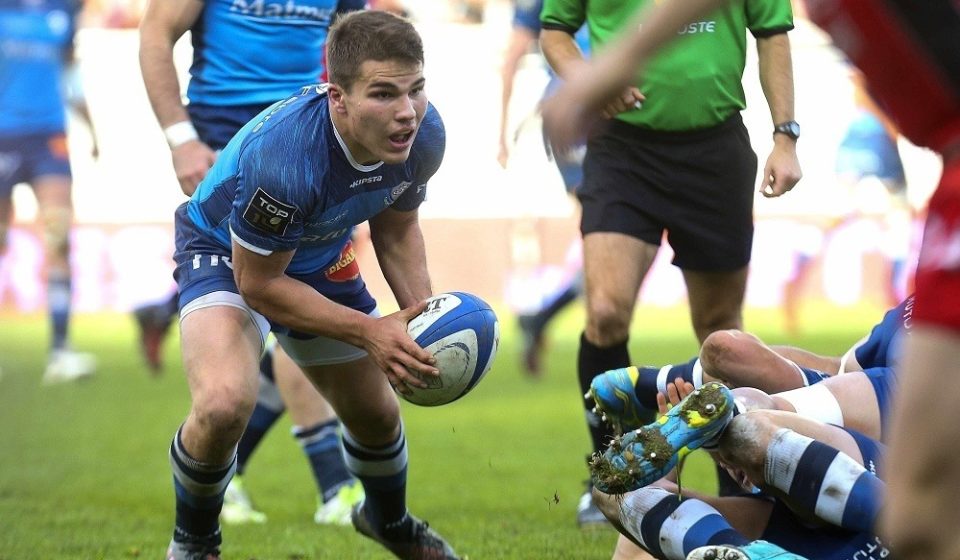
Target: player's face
x,y
383,111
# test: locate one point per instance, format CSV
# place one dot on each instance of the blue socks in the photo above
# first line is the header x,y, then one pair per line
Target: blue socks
x,y
199,490
321,444
824,481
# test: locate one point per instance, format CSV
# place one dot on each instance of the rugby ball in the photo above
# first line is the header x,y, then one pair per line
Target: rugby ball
x,y
462,333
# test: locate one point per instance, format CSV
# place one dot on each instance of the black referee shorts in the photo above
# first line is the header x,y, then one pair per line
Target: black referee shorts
x,y
698,186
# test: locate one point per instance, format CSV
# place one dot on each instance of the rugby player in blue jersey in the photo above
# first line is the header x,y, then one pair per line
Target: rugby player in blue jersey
x,y
36,47
247,56
257,249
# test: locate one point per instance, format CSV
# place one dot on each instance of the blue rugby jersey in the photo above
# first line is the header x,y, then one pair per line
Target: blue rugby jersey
x,y
34,38
259,51
286,182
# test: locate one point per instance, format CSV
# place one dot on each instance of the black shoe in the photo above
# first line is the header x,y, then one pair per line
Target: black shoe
x,y
194,548
424,542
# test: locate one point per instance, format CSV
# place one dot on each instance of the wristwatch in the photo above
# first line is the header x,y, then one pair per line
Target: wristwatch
x,y
789,128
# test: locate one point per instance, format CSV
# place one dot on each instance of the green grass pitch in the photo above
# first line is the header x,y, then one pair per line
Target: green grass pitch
x,y
84,472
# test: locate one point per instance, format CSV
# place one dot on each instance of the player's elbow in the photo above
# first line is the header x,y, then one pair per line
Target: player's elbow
x,y
252,289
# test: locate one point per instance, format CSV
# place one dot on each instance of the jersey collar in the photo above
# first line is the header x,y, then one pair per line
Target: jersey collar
x,y
346,151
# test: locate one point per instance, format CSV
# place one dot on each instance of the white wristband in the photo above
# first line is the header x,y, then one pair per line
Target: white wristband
x,y
180,133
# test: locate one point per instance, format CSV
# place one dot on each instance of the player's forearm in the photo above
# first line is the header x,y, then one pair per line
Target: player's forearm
x,y
519,42
403,261
776,76
160,78
296,305
561,51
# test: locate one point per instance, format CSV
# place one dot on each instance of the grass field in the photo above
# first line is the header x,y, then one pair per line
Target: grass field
x,y
84,472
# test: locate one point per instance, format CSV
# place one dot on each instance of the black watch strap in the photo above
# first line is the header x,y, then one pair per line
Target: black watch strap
x,y
789,128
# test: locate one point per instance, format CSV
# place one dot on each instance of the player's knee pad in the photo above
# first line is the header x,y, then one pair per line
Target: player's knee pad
x,y
56,230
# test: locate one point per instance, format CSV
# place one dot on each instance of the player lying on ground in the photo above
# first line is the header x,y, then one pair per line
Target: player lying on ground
x,y
807,487
830,389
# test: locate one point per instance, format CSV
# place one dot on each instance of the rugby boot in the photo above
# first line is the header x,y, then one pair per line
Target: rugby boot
x,y
647,454
615,396
66,365
423,542
336,511
757,550
238,508
201,549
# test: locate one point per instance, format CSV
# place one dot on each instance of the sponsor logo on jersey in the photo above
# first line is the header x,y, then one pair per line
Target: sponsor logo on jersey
x,y
396,192
268,214
57,144
365,181
284,10
346,268
698,27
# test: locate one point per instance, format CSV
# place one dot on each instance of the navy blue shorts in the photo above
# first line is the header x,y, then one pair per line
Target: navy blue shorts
x,y
884,381
24,158
216,125
203,268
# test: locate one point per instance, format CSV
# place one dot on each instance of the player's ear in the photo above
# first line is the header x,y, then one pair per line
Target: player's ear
x,y
337,98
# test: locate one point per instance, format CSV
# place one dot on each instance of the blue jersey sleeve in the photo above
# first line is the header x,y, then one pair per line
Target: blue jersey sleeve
x,y
426,156
271,199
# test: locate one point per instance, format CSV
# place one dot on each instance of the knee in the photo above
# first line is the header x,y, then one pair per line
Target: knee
x,y
56,231
223,411
719,349
374,427
607,322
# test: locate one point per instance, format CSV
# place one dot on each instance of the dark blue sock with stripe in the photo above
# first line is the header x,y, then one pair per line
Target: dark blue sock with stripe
x,y
671,527
653,380
321,444
59,294
823,481
383,473
199,491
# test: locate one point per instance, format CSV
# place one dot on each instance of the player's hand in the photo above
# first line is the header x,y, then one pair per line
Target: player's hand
x,y
503,155
402,360
676,392
565,119
782,170
628,100
191,161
